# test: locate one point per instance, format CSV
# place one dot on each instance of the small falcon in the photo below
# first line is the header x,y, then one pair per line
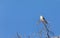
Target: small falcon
x,y
42,19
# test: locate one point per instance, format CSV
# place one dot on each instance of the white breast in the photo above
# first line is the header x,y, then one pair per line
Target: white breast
x,y
41,18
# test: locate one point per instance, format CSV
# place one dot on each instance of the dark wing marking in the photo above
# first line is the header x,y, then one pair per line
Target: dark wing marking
x,y
45,21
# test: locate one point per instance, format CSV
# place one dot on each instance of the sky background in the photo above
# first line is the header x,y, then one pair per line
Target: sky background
x,y
22,15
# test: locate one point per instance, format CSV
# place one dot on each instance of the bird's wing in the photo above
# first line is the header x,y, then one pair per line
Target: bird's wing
x,y
45,21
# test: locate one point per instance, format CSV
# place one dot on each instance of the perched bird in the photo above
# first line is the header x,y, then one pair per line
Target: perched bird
x,y
42,19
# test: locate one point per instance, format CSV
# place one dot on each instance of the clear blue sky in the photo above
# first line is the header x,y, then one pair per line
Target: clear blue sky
x,y
21,16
